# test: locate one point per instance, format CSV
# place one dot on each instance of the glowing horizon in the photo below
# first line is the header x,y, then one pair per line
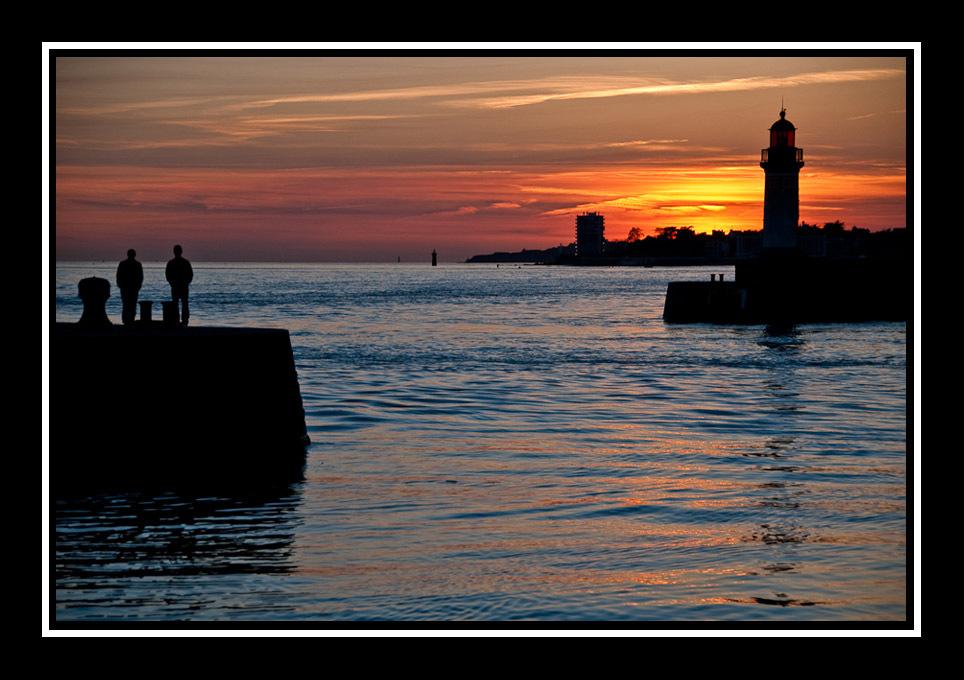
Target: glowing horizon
x,y
358,158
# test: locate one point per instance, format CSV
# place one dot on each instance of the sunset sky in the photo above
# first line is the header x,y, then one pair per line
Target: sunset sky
x,y
368,158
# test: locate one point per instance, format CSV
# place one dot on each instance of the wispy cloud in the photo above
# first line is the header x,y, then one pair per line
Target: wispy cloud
x,y
680,145
213,131
559,83
251,127
676,87
872,115
153,105
820,208
648,142
461,211
650,204
513,93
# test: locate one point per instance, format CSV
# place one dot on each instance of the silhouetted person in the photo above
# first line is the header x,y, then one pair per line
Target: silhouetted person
x,y
130,278
179,275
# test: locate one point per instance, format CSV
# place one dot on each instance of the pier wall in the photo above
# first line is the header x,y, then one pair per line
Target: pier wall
x,y
152,403
797,290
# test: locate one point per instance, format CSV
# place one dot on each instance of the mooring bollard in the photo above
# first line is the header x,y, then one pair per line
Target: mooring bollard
x,y
170,314
712,277
721,276
94,292
147,310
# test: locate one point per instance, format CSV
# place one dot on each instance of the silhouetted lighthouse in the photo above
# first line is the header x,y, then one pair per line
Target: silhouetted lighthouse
x,y
784,286
781,198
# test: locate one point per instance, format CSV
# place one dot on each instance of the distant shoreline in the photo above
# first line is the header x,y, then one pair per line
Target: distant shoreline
x,y
683,247
610,261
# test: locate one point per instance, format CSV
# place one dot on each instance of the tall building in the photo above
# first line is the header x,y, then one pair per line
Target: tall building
x,y
589,234
781,198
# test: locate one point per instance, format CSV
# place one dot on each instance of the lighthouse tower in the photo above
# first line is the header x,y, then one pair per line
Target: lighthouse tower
x,y
781,198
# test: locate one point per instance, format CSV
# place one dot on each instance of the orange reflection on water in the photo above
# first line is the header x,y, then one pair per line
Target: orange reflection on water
x,y
666,577
688,492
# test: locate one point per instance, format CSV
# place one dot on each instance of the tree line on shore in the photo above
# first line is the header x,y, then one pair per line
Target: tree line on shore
x,y
684,245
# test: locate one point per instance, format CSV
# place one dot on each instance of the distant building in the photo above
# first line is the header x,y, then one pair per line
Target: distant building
x,y
589,234
781,197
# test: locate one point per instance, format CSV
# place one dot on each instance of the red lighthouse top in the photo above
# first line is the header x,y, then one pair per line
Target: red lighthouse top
x,y
782,132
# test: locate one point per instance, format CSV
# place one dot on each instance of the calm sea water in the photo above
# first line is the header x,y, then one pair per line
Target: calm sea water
x,y
522,443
